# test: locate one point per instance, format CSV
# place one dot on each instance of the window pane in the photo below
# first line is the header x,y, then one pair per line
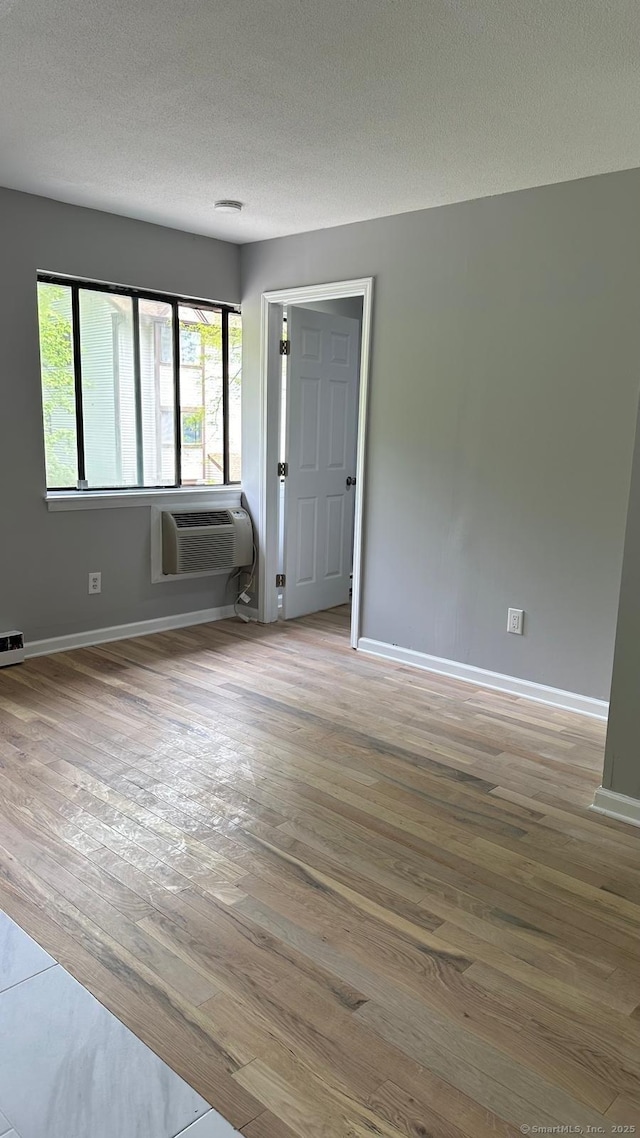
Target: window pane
x,y
201,396
108,389
58,391
235,397
192,428
157,392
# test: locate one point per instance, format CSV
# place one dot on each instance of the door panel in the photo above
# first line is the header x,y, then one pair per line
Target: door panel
x,y
338,401
340,344
307,541
309,423
334,564
322,397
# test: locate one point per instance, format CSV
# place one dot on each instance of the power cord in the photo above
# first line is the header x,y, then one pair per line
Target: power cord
x,y
243,595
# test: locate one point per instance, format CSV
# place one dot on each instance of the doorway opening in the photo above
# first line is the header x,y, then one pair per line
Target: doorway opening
x,y
314,378
317,455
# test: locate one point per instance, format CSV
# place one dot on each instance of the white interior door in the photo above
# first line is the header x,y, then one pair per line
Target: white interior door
x,y
321,427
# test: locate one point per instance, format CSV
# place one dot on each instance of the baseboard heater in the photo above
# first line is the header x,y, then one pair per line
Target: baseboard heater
x,y
11,648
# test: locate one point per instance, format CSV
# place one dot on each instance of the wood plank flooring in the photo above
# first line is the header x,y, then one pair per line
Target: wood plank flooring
x,y
339,896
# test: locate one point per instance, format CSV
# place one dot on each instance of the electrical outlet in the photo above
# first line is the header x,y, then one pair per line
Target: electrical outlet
x,y
515,621
95,582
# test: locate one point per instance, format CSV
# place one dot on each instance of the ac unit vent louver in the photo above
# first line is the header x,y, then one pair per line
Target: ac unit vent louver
x,y
205,541
203,518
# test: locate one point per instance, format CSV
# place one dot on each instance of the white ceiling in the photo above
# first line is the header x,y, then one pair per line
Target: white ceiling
x,y
313,112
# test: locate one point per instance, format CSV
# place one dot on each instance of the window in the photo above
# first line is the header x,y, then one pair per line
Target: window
x,y
139,390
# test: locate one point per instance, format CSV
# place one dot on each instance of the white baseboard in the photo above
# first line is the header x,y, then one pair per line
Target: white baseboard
x,y
616,805
554,697
125,631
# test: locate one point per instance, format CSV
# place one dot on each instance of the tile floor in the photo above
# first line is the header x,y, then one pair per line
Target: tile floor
x,y
70,1069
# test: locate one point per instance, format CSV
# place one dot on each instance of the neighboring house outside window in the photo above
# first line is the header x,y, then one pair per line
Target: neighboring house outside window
x,y
117,379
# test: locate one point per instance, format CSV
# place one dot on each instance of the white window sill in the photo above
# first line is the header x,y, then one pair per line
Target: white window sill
x,y
117,499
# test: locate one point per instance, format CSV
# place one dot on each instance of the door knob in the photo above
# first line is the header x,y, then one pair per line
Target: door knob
x,y
351,481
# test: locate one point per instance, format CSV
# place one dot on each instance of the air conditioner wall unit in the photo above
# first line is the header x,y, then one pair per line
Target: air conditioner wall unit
x,y
205,540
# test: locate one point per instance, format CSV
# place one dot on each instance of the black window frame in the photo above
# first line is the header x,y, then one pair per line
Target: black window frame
x,y
175,301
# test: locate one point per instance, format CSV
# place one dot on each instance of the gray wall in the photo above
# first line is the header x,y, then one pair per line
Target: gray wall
x,y
45,557
342,306
506,342
622,758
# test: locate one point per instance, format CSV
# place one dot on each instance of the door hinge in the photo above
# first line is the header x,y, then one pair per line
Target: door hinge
x,y
285,347
281,580
283,469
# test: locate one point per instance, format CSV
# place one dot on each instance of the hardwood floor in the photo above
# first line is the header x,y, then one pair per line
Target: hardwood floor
x,y
340,897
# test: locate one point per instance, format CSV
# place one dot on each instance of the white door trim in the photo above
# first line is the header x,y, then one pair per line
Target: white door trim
x,y
272,304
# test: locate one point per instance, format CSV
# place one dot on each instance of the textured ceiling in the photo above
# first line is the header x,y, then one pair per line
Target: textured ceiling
x,y
313,112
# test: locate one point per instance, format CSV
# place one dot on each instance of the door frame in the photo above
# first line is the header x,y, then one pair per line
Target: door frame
x,y
272,304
